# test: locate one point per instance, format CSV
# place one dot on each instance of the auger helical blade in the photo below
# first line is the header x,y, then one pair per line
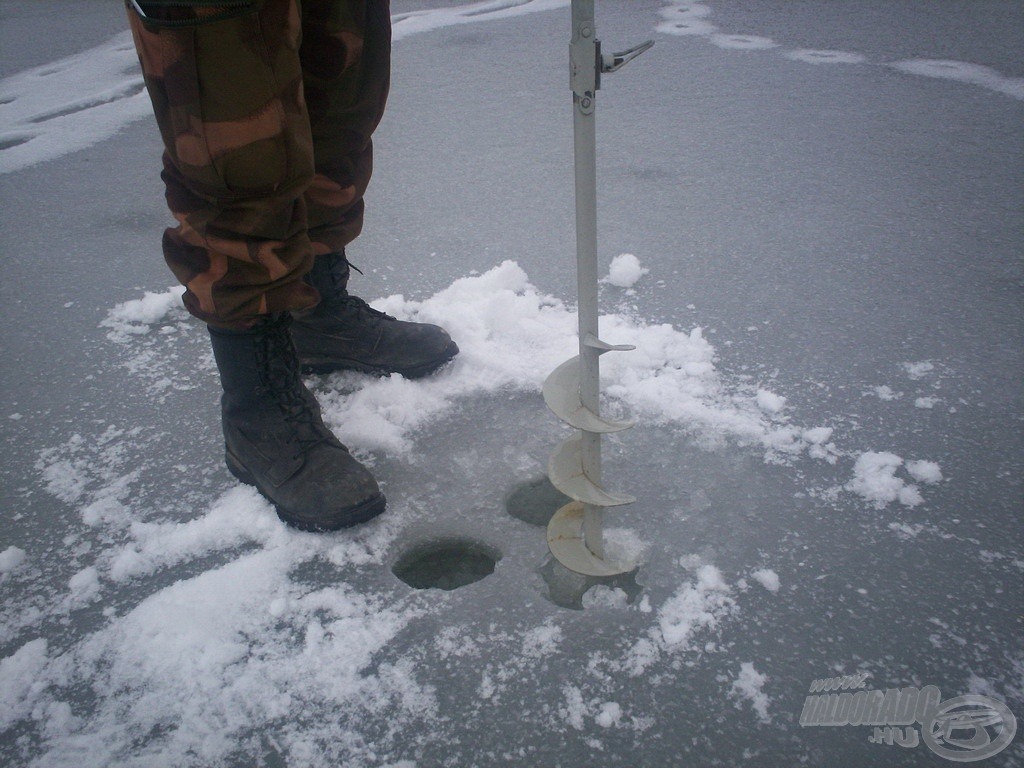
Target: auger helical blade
x,y
567,474
567,543
562,395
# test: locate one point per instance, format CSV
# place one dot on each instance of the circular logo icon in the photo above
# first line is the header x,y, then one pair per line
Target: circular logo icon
x,y
969,728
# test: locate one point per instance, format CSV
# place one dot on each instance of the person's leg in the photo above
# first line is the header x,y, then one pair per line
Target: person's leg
x,y
346,67
226,87
346,73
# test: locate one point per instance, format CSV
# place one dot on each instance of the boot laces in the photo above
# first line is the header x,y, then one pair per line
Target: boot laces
x,y
339,301
279,375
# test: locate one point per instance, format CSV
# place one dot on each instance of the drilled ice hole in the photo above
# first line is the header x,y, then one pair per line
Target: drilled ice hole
x,y
535,501
447,564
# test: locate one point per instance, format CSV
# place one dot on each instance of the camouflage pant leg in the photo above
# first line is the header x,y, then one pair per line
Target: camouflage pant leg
x,y
346,62
227,91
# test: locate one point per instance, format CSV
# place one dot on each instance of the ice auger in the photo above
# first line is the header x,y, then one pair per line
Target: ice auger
x,y
572,391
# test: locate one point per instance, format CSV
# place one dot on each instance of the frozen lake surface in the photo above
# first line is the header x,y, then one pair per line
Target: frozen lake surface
x,y
823,204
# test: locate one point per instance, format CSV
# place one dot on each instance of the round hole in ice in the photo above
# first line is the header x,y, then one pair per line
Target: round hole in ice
x,y
567,589
447,564
535,501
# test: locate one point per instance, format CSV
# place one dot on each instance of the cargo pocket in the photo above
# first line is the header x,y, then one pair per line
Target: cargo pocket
x,y
187,13
230,130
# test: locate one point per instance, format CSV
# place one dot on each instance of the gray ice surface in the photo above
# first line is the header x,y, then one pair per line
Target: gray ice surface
x,y
825,224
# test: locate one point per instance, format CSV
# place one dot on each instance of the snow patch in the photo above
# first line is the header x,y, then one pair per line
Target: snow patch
x,y
925,471
698,605
876,481
134,318
918,370
747,686
625,271
767,578
22,682
11,559
769,402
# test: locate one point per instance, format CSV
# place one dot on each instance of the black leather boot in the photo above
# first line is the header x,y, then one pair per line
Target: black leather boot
x,y
275,438
344,332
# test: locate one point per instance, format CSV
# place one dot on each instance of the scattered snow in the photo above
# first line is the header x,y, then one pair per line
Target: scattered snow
x,y
924,471
610,714
698,605
84,586
748,686
542,641
22,682
11,559
625,271
135,317
603,596
918,370
767,578
886,392
875,479
769,402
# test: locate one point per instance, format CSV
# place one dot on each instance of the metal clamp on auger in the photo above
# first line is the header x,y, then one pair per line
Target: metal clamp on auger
x,y
572,391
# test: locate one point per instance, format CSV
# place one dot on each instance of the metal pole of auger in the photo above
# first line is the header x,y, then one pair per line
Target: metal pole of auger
x,y
572,391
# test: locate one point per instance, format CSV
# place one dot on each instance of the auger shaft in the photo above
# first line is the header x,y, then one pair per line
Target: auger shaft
x,y
573,389
584,53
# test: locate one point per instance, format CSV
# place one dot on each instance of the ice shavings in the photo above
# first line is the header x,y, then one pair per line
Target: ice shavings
x,y
918,370
187,660
211,661
22,682
511,336
925,471
134,317
625,271
875,478
769,402
11,559
238,517
748,686
698,605
767,578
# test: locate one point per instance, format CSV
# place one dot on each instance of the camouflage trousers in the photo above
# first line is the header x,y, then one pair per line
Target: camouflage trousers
x,y
266,109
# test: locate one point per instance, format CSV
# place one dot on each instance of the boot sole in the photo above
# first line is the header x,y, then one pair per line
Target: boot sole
x,y
355,515
326,365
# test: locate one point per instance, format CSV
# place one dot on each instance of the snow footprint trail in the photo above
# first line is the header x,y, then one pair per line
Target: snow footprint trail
x,y
414,22
70,104
76,102
692,19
